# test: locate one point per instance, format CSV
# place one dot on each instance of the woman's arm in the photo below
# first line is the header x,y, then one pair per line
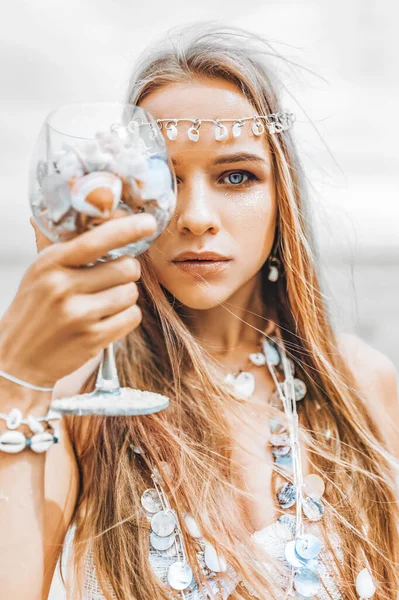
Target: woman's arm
x,y
23,504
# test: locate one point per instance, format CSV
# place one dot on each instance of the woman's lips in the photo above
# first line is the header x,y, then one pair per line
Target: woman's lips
x,y
202,267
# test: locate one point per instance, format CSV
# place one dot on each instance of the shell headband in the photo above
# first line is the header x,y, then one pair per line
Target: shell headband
x,y
274,122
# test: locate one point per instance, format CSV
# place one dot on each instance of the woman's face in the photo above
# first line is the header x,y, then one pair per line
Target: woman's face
x,y
226,197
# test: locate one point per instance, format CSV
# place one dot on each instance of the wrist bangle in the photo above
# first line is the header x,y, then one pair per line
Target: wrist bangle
x,y
25,383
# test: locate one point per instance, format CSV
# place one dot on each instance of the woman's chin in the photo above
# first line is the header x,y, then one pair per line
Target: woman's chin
x,y
201,298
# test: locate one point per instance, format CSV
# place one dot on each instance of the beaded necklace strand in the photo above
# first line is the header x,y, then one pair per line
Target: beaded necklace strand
x,y
302,549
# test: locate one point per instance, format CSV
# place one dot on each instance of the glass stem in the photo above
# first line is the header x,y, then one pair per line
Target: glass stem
x,y
107,378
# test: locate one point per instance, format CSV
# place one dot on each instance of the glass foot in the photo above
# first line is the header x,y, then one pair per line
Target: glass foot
x,y
128,402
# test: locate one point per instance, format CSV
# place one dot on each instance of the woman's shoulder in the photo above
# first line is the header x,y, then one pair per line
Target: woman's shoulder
x,y
376,378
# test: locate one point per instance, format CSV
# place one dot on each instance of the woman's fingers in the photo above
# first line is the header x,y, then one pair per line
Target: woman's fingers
x,y
102,276
117,326
91,308
92,245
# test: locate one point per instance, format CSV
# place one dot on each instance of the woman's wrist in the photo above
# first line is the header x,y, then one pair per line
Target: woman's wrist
x,y
13,395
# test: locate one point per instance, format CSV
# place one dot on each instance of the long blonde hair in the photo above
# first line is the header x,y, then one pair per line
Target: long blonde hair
x,y
193,436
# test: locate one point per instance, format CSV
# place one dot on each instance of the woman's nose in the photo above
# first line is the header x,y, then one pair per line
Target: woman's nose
x,y
196,213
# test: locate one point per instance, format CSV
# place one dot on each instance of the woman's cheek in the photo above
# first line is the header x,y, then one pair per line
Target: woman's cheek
x,y
252,218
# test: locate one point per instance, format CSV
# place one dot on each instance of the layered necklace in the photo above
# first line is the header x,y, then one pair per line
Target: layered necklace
x,y
303,494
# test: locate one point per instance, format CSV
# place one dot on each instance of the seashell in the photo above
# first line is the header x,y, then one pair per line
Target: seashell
x,y
273,273
313,508
281,450
258,359
307,546
131,163
192,526
34,425
280,439
96,194
180,575
286,495
364,584
285,526
307,582
271,352
300,389
258,128
213,560
162,543
276,426
313,485
14,418
69,165
237,129
40,442
12,442
193,134
244,383
292,557
221,133
150,501
163,523
171,131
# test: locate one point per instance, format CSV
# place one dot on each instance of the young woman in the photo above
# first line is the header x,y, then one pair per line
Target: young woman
x,y
187,329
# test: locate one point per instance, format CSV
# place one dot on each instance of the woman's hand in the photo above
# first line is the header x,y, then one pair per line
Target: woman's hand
x,y
63,315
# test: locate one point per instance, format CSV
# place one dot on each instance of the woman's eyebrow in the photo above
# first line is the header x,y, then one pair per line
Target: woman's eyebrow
x,y
239,157
231,158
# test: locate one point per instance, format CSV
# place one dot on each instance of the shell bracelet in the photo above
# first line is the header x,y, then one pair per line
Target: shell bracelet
x,y
12,441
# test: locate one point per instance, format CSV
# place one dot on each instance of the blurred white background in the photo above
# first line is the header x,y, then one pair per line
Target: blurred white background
x,y
54,52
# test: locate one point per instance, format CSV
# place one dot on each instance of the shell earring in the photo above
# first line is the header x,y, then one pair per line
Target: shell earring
x,y
274,268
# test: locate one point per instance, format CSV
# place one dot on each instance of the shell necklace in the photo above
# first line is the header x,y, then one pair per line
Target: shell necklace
x,y
305,493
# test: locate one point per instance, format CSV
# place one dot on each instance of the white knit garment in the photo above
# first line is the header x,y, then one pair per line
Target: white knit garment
x,y
268,538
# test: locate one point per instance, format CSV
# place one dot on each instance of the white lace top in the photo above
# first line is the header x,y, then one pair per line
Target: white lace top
x,y
268,538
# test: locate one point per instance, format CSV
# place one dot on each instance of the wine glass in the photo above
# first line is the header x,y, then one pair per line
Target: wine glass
x,y
94,162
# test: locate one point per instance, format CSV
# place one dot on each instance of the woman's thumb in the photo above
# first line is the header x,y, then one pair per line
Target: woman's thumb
x,y
41,240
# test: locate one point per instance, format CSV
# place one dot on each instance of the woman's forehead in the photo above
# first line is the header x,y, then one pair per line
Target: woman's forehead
x,y
208,98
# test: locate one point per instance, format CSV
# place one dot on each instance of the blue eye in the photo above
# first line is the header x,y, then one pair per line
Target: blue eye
x,y
236,178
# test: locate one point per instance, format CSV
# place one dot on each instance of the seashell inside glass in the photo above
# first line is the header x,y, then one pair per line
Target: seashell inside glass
x,y
96,162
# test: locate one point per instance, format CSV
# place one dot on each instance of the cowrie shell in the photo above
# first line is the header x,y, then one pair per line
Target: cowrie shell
x,y
34,425
40,442
14,418
12,442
